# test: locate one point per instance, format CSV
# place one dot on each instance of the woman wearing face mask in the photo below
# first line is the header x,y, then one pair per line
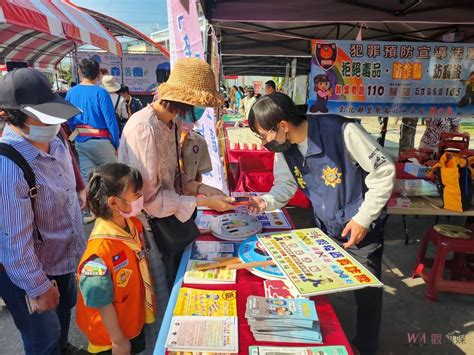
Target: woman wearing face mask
x,y
149,143
41,236
347,176
116,296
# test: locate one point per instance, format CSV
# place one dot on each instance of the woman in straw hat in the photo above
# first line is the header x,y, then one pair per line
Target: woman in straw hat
x,y
148,143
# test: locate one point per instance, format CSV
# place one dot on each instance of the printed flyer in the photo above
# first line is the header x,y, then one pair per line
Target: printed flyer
x,y
210,251
216,334
314,264
212,276
195,302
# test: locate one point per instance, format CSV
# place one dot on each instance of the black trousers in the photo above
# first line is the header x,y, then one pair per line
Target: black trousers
x,y
369,300
172,262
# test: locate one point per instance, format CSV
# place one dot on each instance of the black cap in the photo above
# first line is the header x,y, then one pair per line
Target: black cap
x,y
30,91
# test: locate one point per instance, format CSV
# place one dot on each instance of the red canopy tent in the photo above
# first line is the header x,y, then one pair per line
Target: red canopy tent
x,y
42,32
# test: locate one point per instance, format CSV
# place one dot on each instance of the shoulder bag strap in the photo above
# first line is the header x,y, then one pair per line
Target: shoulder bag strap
x,y
11,153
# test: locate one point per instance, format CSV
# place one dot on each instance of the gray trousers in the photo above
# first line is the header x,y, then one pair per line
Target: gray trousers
x,y
94,153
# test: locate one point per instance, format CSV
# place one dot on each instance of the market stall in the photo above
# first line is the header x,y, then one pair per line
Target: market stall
x,y
42,36
331,41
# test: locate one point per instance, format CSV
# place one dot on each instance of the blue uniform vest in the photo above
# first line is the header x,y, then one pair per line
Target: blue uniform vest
x,y
327,175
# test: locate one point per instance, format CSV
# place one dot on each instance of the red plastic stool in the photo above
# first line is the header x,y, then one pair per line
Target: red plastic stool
x,y
446,239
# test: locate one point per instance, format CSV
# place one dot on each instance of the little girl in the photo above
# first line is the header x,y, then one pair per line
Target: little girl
x,y
116,296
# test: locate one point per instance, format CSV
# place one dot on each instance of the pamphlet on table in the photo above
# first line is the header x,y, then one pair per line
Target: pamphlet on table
x,y
211,276
203,334
283,320
314,264
316,350
203,221
212,251
195,302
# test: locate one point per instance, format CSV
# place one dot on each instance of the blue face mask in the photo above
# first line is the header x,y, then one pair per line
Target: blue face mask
x,y
188,118
42,134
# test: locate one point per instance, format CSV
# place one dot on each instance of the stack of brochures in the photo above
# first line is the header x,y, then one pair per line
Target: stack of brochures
x,y
283,320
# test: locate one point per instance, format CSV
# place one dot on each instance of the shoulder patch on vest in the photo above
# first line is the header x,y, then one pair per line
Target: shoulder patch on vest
x,y
196,149
377,158
94,268
119,260
331,176
122,277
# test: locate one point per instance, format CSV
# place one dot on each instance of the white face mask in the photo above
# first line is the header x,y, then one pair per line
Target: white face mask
x,y
42,134
136,208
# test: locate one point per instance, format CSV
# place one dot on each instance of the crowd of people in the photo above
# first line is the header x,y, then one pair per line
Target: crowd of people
x,y
135,159
123,280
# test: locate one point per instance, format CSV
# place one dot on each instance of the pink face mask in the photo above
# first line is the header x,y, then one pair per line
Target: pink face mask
x,y
136,208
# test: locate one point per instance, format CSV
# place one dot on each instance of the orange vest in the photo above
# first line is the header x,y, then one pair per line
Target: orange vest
x,y
129,291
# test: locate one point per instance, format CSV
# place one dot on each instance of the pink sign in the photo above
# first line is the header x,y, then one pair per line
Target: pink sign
x,y
185,32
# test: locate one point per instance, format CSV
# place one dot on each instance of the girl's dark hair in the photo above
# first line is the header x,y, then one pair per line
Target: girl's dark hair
x,y
89,68
268,111
179,108
16,118
110,180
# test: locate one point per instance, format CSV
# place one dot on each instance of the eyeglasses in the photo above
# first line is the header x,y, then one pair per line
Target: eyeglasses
x,y
264,137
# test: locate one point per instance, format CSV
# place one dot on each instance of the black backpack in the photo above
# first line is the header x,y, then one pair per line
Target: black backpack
x,y
11,153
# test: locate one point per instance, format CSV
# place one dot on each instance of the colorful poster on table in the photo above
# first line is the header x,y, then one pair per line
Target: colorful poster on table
x,y
314,264
405,79
138,70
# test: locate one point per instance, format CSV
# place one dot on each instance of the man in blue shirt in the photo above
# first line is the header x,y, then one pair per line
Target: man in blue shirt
x,y
95,129
41,235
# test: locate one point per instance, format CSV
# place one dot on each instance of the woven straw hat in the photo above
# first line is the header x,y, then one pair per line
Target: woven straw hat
x,y
191,82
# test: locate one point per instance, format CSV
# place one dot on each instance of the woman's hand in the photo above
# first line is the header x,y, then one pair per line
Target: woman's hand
x,y
257,205
217,203
207,190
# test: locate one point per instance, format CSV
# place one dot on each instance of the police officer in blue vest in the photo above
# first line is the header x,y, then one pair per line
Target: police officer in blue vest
x,y
347,176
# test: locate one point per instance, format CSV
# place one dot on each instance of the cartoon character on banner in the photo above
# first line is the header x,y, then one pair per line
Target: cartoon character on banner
x,y
323,90
325,55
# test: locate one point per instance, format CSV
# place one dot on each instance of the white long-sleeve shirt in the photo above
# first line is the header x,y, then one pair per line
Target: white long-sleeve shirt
x,y
365,152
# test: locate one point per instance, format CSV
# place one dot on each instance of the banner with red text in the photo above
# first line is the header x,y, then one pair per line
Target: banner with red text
x,y
409,79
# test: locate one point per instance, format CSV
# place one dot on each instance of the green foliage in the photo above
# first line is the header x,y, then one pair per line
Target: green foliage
x,y
65,74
